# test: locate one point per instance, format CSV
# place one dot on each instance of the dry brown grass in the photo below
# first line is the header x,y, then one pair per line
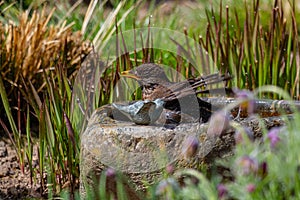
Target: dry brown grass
x,y
32,45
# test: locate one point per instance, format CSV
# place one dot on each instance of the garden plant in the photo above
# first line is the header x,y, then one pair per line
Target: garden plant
x,y
44,45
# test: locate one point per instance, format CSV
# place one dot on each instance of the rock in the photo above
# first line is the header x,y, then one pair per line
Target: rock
x,y
3,151
4,171
143,152
2,144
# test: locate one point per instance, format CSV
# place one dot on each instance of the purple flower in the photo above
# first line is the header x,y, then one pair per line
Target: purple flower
x,y
250,188
248,165
222,191
239,136
166,185
190,147
248,103
263,169
110,173
273,136
218,123
170,169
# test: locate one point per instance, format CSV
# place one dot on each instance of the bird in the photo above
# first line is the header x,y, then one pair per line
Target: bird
x,y
179,97
143,112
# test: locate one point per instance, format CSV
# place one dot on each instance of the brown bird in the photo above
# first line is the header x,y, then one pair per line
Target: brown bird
x,y
142,112
179,97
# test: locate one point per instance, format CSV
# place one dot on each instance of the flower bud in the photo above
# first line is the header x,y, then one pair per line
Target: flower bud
x,y
190,147
273,136
248,165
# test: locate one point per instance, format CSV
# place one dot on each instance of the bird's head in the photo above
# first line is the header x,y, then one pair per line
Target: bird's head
x,y
147,73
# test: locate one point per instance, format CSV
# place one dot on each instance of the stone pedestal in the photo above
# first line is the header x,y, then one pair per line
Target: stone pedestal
x,y
142,152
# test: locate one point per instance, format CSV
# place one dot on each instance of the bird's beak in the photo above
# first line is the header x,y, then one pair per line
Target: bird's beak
x,y
129,74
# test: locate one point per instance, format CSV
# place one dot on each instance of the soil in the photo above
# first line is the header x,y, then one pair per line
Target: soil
x,y
13,183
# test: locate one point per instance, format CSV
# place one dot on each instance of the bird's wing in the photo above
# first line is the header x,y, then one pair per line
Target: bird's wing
x,y
195,86
145,107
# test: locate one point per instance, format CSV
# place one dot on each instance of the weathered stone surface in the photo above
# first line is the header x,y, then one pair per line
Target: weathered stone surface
x,y
143,152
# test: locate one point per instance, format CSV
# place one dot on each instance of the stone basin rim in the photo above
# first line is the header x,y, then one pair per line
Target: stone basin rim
x,y
102,144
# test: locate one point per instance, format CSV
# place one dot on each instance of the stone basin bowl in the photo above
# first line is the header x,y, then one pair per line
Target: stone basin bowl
x,y
143,152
